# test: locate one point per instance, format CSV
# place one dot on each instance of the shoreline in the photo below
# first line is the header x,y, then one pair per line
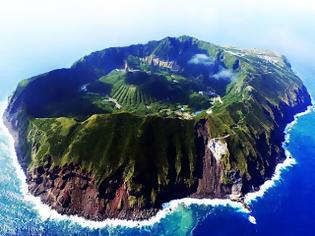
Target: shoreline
x,y
45,212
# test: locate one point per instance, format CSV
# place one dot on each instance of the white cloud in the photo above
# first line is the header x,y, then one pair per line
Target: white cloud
x,y
224,74
201,59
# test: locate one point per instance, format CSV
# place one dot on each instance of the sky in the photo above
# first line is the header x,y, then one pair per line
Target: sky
x,y
37,36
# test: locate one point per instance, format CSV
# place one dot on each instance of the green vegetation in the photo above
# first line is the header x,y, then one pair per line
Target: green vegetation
x,y
106,144
139,122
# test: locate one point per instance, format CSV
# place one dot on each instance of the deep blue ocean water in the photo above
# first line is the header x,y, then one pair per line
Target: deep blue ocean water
x,y
288,208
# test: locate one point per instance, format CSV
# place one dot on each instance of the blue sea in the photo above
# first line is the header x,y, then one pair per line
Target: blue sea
x,y
284,206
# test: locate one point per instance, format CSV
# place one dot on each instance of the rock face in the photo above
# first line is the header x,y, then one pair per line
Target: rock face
x,y
72,191
84,156
155,61
210,181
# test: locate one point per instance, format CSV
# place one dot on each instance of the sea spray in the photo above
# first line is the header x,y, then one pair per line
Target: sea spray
x,y
45,212
252,219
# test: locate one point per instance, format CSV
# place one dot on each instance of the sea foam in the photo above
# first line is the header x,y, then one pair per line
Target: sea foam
x,y
46,213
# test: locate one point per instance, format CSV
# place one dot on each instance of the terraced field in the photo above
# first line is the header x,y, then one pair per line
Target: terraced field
x,y
130,95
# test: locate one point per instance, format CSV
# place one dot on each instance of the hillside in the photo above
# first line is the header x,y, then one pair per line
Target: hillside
x,y
125,129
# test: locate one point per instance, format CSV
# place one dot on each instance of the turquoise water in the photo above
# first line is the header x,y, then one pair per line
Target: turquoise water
x,y
288,208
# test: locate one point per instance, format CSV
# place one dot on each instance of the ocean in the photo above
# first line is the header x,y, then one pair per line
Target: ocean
x,y
285,205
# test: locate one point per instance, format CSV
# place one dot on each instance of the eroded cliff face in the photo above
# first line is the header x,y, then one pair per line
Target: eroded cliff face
x,y
72,191
210,151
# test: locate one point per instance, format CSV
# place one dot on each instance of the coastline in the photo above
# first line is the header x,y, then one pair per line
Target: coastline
x,y
45,212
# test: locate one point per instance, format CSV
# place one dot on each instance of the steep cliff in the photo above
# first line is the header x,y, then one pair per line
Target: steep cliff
x,y
126,129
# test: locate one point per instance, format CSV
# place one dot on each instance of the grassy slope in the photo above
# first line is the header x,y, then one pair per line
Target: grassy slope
x,y
248,114
151,153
